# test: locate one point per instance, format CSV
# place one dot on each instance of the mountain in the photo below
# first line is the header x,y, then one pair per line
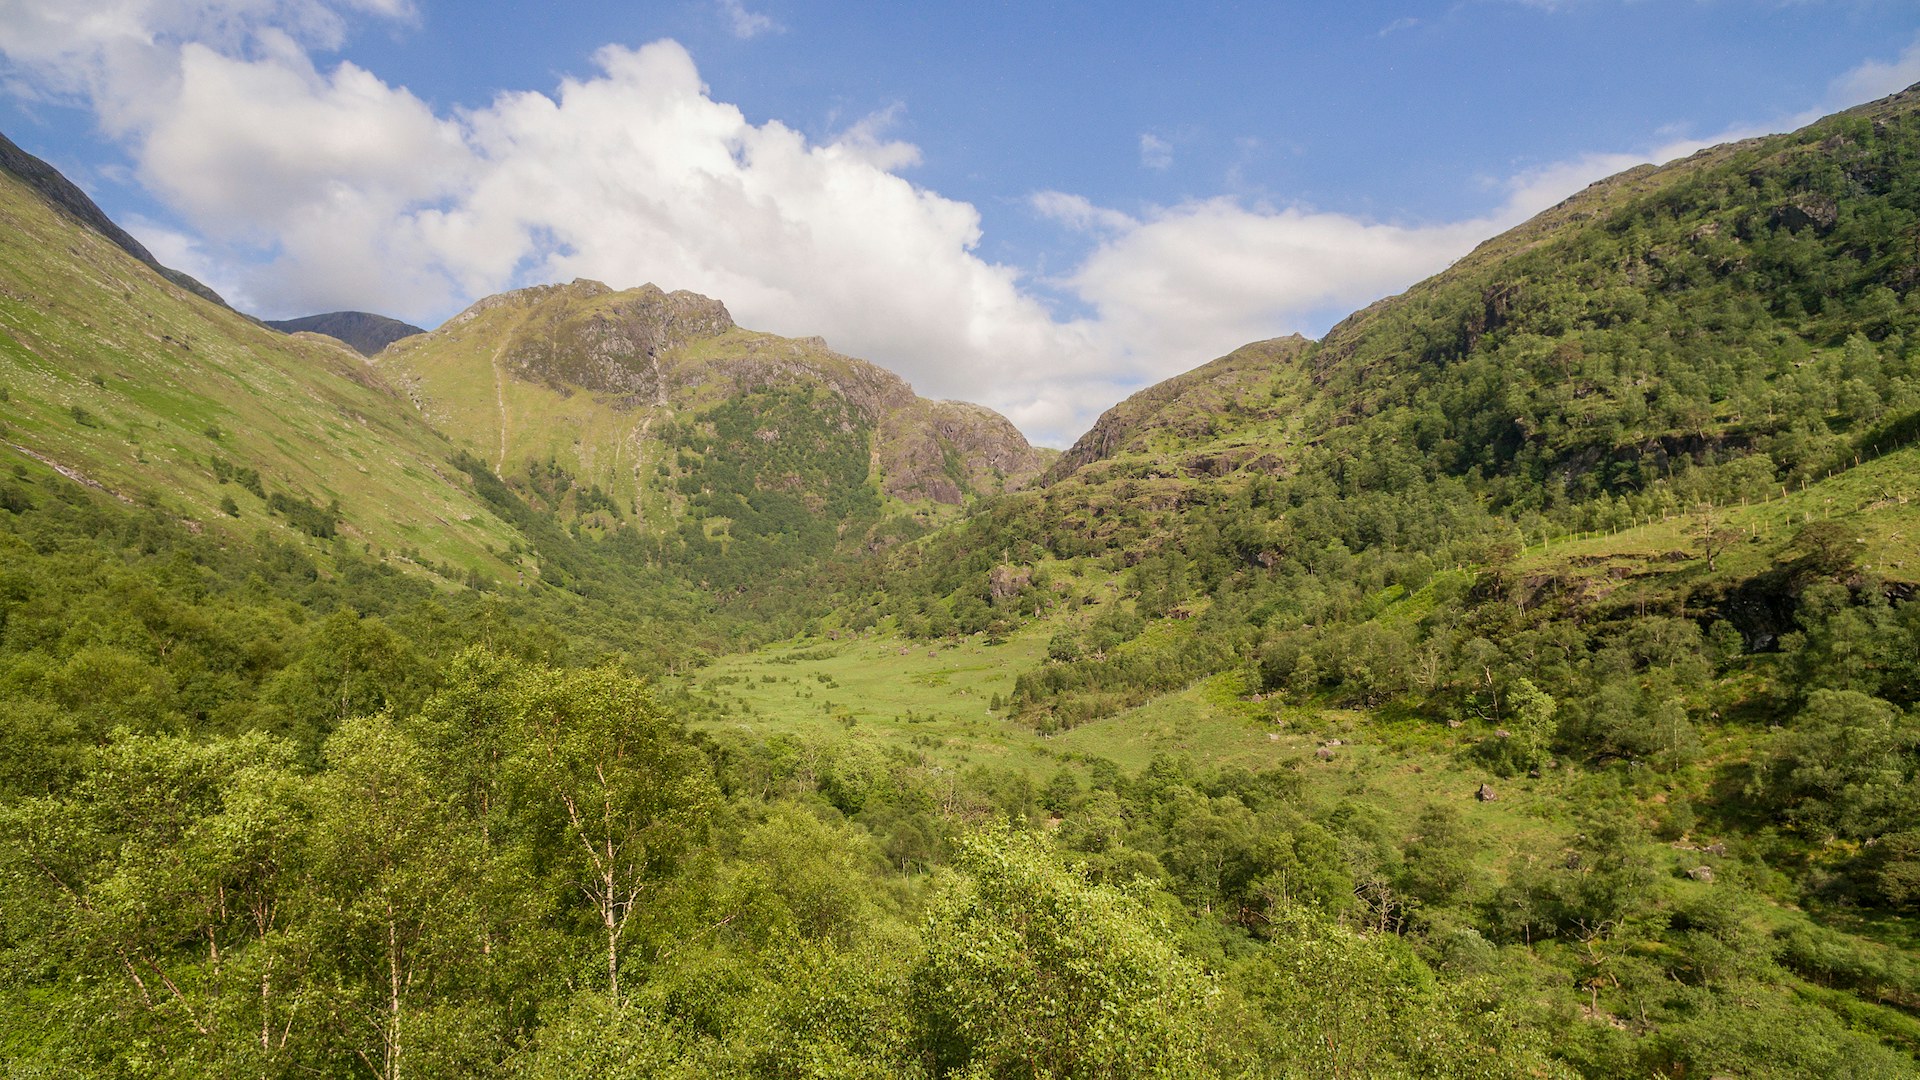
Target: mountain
x,y
120,376
727,441
365,332
57,190
741,452
1659,315
1656,397
1522,680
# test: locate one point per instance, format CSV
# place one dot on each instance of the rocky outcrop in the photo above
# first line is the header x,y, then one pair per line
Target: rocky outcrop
x,y
567,342
1808,211
946,451
641,357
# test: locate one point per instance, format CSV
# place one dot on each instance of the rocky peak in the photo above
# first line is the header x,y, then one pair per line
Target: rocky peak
x,y
529,297
588,336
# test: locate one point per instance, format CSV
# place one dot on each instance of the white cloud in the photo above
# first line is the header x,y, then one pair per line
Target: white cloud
x,y
638,175
866,141
1875,79
316,189
1155,152
1193,281
1078,212
747,24
121,55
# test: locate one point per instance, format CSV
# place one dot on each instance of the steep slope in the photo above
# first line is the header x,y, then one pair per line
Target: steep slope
x,y
133,383
365,332
1660,314
56,189
1690,343
600,404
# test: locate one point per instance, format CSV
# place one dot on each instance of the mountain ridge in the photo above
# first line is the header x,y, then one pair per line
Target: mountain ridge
x,y
622,390
364,331
76,204
1341,355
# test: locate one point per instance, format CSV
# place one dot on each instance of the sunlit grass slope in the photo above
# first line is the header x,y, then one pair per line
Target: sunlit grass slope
x,y
129,383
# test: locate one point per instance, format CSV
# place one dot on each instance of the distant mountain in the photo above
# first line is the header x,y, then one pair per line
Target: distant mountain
x,y
734,446
70,200
367,333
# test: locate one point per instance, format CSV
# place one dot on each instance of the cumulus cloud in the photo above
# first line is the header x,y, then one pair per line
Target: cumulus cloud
x,y
121,55
308,188
1206,275
867,141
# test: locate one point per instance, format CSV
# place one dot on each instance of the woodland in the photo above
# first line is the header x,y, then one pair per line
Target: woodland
x,y
1533,664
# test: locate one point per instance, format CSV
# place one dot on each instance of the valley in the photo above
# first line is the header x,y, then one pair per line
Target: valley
x,y
1519,680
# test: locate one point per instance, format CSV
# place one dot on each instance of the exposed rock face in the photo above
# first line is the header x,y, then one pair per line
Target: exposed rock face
x,y
616,369
584,336
942,450
1007,581
1810,211
365,332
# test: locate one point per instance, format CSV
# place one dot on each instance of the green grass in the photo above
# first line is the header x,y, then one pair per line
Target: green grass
x,y
87,332
932,701
1879,500
933,698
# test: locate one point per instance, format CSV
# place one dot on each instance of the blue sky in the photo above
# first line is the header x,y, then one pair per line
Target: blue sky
x,y
1037,206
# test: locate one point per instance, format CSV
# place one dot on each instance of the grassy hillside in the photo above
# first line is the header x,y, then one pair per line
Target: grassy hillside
x,y
732,449
1521,681
130,384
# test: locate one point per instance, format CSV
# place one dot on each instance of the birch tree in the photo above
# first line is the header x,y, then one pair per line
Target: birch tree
x,y
391,864
616,796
